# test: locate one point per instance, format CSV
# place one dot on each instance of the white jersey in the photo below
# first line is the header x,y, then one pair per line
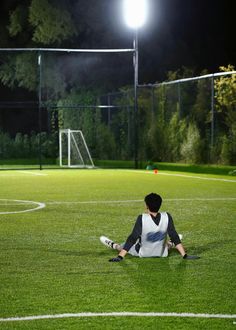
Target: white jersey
x,y
153,237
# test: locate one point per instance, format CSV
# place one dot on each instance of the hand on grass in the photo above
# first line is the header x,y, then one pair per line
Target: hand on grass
x,y
186,256
116,259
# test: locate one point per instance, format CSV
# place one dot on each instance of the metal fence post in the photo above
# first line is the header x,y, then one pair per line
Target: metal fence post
x,y
179,99
40,107
109,109
212,111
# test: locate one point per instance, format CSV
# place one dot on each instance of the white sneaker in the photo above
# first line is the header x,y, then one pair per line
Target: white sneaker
x,y
106,241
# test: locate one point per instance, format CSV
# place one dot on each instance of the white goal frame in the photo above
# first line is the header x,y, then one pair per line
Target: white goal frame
x,y
71,139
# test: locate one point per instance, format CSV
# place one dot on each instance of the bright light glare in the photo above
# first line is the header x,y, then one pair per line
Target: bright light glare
x,y
135,12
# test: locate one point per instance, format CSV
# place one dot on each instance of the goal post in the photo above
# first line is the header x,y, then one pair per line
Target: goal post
x,y
73,149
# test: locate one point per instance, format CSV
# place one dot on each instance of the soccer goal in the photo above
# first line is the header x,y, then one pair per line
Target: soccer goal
x,y
73,150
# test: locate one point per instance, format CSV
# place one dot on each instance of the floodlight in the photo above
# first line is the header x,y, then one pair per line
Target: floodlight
x,y
135,12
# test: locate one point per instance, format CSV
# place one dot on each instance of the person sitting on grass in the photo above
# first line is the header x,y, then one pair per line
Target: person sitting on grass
x,y
149,235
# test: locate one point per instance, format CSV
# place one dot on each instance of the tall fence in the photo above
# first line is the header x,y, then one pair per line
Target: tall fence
x,y
188,120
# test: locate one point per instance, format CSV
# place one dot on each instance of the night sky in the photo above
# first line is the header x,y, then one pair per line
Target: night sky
x,y
195,33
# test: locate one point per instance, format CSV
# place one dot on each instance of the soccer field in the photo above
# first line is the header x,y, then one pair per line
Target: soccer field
x,y
53,264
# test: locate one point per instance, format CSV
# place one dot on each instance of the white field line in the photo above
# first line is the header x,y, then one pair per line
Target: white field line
x,y
96,202
117,314
22,202
40,205
18,173
183,175
199,177
141,200
3,175
33,173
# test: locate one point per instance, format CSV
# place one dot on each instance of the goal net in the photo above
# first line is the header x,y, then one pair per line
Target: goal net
x,y
73,150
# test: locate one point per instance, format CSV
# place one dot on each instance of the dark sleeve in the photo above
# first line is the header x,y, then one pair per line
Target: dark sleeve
x,y
172,232
135,235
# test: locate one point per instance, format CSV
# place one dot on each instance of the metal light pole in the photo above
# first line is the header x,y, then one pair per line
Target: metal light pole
x,y
136,115
135,13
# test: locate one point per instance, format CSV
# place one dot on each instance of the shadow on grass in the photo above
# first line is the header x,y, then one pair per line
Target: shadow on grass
x,y
209,246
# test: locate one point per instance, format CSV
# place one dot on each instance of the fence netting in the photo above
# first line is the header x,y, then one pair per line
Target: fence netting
x,y
190,121
43,92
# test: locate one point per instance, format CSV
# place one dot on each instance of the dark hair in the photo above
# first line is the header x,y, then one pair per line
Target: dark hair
x,y
153,202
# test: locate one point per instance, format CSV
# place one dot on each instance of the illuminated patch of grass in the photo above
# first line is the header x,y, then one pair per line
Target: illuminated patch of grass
x,y
51,260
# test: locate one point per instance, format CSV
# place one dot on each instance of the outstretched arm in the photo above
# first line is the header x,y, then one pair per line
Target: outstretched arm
x,y
131,240
183,253
120,256
176,240
180,249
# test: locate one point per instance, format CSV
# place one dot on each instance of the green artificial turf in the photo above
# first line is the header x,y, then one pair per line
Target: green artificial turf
x,y
52,262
